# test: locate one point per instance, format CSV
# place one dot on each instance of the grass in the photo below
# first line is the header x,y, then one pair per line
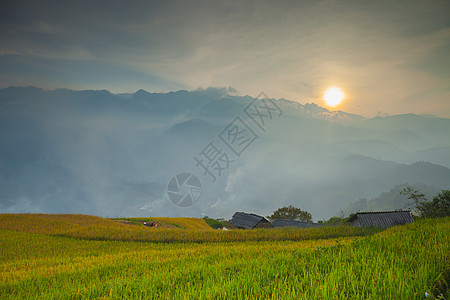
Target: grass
x,y
184,223
398,263
190,230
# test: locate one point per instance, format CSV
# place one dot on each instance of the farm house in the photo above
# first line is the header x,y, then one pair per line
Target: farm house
x,y
381,219
294,223
249,221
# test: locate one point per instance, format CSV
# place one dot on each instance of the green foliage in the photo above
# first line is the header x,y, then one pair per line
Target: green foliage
x,y
399,263
438,207
336,221
413,195
391,200
213,223
227,224
291,213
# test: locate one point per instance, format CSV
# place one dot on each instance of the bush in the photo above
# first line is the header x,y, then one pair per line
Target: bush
x,y
213,223
439,207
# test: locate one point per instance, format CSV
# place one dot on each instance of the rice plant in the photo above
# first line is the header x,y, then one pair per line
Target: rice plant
x,y
405,262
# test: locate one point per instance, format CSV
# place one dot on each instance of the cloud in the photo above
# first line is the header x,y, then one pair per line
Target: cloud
x,y
79,73
377,51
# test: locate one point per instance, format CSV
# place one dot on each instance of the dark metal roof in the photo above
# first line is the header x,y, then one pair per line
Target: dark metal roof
x,y
248,221
381,219
294,223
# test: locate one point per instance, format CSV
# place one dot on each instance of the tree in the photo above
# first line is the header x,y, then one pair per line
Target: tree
x,y
438,207
291,213
413,195
336,221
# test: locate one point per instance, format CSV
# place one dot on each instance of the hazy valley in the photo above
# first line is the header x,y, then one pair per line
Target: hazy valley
x,y
107,154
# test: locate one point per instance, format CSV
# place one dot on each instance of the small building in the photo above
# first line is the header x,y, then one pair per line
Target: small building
x,y
249,221
294,223
380,219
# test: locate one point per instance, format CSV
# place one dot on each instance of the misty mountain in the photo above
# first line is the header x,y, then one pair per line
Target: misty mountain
x,y
107,154
391,200
434,130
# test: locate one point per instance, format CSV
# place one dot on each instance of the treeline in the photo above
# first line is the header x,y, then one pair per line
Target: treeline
x,y
401,197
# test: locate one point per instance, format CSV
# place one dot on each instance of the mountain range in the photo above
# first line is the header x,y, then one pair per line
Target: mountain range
x,y
94,152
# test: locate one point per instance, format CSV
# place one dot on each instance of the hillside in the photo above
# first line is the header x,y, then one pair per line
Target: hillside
x,y
93,227
181,223
390,200
403,262
172,230
99,153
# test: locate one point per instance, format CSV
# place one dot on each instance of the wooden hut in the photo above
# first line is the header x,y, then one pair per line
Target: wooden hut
x,y
249,221
381,219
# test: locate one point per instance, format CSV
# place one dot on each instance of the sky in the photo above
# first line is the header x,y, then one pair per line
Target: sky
x,y
388,57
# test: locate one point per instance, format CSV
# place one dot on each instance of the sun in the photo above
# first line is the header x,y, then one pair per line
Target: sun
x,y
333,96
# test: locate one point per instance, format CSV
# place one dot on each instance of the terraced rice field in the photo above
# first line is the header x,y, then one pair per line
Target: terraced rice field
x,y
85,257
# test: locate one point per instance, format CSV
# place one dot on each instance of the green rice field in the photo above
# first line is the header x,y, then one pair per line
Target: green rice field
x,y
86,257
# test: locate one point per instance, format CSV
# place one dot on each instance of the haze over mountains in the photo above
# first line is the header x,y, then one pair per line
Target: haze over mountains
x,y
106,154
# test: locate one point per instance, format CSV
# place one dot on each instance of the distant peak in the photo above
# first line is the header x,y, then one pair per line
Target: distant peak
x,y
262,95
26,88
141,92
219,91
314,108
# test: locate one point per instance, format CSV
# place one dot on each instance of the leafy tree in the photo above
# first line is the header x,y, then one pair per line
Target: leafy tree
x,y
438,207
336,221
413,195
291,213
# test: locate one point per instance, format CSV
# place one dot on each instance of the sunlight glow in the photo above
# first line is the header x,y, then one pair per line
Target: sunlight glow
x,y
333,96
